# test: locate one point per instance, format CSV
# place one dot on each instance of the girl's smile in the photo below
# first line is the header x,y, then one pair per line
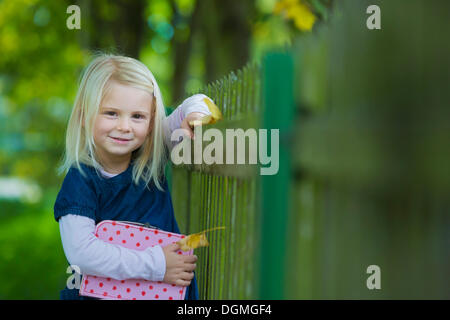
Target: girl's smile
x,y
120,140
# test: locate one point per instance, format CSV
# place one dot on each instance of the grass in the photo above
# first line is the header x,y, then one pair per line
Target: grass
x,y
32,260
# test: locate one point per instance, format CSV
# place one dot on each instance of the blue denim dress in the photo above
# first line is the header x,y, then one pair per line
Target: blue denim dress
x,y
117,198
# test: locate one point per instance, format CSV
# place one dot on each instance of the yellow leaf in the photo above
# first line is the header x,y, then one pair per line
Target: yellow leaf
x,y
215,116
298,12
196,240
304,19
193,241
204,120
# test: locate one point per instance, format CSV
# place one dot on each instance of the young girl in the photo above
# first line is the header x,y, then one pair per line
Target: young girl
x,y
117,145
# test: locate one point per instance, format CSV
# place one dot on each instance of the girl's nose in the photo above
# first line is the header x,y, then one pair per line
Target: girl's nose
x,y
123,124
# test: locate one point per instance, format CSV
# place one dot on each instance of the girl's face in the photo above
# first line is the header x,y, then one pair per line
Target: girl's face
x,y
122,124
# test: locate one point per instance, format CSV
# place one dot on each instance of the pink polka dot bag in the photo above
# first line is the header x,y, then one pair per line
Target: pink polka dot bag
x,y
137,237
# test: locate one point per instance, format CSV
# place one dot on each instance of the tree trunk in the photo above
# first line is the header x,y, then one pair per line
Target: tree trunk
x,y
227,33
117,27
225,29
182,53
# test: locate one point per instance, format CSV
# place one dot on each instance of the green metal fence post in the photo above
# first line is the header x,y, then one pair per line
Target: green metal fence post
x,y
278,99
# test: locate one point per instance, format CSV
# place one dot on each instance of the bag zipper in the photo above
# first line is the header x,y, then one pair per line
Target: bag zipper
x,y
147,225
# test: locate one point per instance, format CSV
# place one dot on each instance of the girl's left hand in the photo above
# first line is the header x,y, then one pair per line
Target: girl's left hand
x,y
191,117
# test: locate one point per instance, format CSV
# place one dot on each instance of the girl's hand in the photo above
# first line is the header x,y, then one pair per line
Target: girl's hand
x,y
191,117
179,268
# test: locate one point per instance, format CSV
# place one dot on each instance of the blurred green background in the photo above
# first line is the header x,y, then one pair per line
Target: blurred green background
x,y
185,43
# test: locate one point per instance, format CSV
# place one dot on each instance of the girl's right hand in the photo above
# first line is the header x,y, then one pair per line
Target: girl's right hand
x,y
179,268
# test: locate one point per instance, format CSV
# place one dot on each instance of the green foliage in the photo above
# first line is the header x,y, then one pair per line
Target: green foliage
x,y
32,261
39,65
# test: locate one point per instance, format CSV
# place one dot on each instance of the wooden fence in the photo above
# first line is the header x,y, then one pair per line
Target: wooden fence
x,y
224,195
363,168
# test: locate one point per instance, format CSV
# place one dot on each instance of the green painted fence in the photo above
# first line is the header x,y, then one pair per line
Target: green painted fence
x,y
371,178
248,259
225,195
363,169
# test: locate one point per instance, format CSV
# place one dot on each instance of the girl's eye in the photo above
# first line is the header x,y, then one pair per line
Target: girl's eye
x,y
139,116
110,113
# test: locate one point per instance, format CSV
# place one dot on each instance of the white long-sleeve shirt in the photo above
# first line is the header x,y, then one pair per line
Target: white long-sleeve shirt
x,y
96,257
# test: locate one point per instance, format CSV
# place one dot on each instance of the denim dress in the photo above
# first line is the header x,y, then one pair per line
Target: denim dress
x,y
117,198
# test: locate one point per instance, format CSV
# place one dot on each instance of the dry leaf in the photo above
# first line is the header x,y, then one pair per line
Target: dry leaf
x,y
193,241
215,116
196,240
202,121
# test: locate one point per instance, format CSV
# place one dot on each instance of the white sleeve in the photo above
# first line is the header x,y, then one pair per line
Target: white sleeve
x,y
98,258
194,103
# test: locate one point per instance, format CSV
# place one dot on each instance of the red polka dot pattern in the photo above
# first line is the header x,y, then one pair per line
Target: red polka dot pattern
x,y
136,238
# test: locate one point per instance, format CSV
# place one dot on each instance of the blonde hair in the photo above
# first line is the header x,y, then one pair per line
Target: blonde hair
x,y
151,157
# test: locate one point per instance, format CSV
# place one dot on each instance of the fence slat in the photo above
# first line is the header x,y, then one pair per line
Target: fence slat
x,y
219,195
278,113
